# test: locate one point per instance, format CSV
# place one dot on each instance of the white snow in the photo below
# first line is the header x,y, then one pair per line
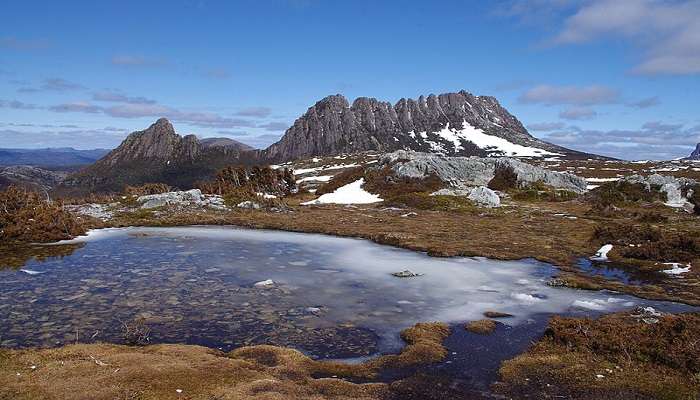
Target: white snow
x,y
602,253
302,171
489,142
676,269
267,282
321,178
266,195
352,193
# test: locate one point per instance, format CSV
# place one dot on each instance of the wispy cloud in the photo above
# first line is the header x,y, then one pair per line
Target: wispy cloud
x,y
575,95
274,126
76,107
117,97
645,103
260,112
578,113
17,105
546,126
142,110
53,85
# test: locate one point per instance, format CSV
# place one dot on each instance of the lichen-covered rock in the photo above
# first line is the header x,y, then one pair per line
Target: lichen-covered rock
x,y
251,205
467,172
677,190
484,196
179,198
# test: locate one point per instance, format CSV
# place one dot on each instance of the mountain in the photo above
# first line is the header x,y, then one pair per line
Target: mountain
x,y
695,155
157,154
50,157
225,142
451,123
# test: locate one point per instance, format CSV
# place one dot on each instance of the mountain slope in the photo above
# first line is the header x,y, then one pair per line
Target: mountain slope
x,y
451,123
156,154
695,155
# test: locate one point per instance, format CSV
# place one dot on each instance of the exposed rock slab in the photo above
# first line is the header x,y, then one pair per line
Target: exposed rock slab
x,y
468,172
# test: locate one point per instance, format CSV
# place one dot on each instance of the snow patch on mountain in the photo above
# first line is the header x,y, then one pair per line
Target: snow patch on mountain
x,y
490,143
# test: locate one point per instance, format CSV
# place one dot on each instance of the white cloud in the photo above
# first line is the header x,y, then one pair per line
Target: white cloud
x,y
668,32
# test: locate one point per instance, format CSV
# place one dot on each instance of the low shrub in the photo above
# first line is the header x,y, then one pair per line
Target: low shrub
x,y
26,216
670,249
504,179
621,193
255,179
146,189
387,184
670,342
624,234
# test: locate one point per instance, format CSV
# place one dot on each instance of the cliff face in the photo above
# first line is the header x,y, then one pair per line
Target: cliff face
x,y
695,155
452,124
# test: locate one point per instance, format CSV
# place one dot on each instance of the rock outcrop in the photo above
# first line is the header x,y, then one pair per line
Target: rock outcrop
x,y
451,123
468,172
188,198
677,190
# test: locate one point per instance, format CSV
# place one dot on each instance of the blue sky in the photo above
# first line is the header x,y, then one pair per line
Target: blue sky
x,y
620,78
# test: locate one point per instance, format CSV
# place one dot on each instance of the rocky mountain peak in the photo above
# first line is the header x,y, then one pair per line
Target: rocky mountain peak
x,y
695,155
456,123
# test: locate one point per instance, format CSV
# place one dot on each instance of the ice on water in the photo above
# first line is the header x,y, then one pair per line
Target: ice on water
x,y
351,281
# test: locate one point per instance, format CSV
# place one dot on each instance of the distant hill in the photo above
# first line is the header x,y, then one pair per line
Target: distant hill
x,y
225,142
50,157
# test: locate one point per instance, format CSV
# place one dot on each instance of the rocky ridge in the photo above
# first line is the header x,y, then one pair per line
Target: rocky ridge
x,y
451,124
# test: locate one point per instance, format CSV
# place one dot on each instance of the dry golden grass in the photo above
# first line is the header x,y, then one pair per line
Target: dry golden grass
x,y
101,371
482,326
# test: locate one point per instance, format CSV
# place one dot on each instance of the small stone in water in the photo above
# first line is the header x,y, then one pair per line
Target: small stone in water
x,y
267,282
405,274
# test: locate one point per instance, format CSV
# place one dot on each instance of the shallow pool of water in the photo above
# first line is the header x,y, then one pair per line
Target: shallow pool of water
x,y
331,297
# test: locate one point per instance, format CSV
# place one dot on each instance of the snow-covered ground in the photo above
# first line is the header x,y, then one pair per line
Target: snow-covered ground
x,y
352,193
676,269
